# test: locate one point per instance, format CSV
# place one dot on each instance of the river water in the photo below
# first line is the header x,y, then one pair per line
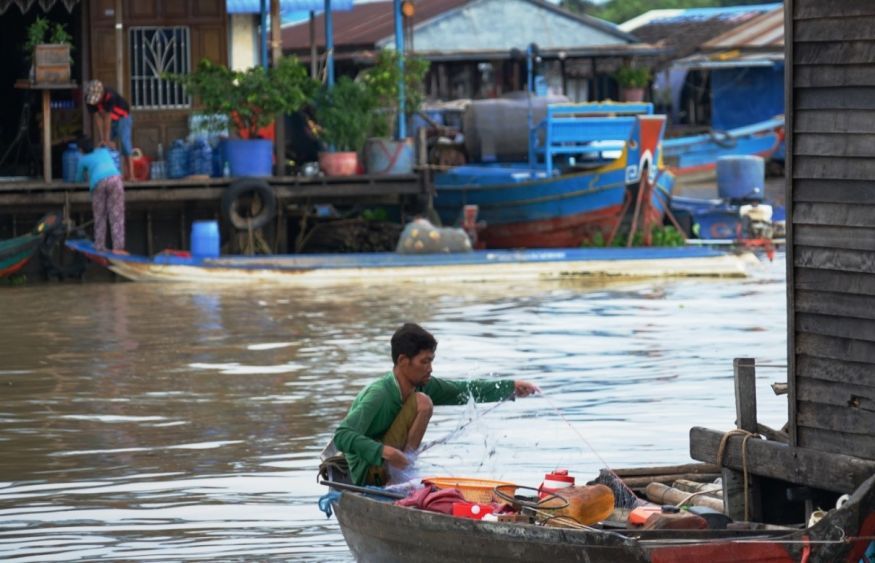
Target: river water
x,y
148,422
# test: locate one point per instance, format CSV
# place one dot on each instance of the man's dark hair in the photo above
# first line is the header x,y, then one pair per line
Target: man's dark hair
x,y
86,145
410,340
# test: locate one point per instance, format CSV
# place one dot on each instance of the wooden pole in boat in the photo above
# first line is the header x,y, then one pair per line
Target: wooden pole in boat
x,y
666,203
363,490
627,200
634,226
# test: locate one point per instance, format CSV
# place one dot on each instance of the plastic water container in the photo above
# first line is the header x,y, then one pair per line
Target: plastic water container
x,y
177,160
558,479
200,158
205,239
69,162
741,177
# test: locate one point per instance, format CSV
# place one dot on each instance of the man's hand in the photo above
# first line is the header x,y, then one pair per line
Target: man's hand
x,y
524,388
395,457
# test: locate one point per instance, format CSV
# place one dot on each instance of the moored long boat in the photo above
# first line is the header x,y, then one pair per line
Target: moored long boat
x,y
376,530
697,154
387,267
601,169
16,252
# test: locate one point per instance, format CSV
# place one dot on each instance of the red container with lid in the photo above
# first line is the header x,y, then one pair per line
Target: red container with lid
x,y
474,510
558,479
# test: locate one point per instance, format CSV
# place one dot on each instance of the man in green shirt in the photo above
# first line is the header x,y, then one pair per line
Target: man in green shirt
x,y
389,417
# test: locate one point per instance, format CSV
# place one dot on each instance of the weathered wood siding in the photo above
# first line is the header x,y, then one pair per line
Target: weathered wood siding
x,y
207,22
831,261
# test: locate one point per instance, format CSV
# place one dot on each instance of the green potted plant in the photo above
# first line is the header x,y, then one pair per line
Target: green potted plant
x,y
48,46
249,102
632,81
344,114
383,154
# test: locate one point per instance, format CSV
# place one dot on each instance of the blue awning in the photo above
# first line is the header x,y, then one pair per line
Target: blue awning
x,y
286,6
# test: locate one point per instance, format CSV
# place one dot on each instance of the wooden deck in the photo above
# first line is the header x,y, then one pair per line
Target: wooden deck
x,y
35,193
159,213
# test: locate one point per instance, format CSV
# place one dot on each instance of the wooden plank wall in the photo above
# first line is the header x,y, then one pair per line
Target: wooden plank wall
x,y
831,261
207,21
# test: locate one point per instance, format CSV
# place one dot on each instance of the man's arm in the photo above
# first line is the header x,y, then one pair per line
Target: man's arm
x,y
446,392
351,436
107,129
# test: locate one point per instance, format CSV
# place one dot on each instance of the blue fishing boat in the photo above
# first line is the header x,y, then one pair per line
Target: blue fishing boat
x,y
592,169
698,154
390,267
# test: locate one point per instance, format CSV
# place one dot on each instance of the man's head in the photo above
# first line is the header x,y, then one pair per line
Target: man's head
x,y
413,350
93,92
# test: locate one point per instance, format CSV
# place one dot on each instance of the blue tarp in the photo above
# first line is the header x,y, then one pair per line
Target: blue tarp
x,y
286,6
744,95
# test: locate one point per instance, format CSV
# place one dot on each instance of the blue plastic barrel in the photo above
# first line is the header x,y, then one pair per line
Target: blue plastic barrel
x,y
249,157
385,156
741,177
205,239
69,162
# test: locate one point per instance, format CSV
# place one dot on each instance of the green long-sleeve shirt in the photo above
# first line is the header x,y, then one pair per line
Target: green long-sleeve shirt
x,y
376,406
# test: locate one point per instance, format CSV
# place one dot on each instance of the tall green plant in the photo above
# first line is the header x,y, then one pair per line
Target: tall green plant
x,y
345,114
252,98
382,80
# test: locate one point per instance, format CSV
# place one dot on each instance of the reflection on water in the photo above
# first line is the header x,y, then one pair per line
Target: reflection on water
x,y
144,422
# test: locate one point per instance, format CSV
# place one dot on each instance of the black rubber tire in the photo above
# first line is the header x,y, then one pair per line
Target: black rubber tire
x,y
248,194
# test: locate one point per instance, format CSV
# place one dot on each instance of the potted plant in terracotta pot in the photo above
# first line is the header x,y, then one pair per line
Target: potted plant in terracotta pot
x,y
250,100
48,48
344,114
632,81
383,154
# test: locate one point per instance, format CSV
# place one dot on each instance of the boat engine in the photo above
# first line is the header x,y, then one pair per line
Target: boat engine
x,y
756,220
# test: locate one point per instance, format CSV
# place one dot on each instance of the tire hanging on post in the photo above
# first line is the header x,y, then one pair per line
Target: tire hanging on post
x,y
249,203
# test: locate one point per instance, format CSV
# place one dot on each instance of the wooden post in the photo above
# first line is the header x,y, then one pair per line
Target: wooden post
x,y
119,49
276,36
314,55
47,135
734,498
745,394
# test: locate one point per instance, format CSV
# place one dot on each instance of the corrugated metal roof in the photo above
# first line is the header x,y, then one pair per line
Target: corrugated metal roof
x,y
364,25
765,31
670,16
286,6
684,31
367,24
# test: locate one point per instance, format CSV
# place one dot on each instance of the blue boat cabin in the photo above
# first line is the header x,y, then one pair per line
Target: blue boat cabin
x,y
585,129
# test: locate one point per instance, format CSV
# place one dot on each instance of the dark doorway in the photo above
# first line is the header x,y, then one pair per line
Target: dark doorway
x,y
21,120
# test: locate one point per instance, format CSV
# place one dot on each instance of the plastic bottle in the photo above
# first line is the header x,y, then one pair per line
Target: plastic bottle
x,y
69,162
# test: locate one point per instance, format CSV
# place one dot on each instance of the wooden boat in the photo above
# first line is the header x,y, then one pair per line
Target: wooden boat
x,y
698,154
601,166
377,530
387,267
16,252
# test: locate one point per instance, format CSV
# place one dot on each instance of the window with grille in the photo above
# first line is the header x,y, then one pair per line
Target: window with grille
x,y
155,52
